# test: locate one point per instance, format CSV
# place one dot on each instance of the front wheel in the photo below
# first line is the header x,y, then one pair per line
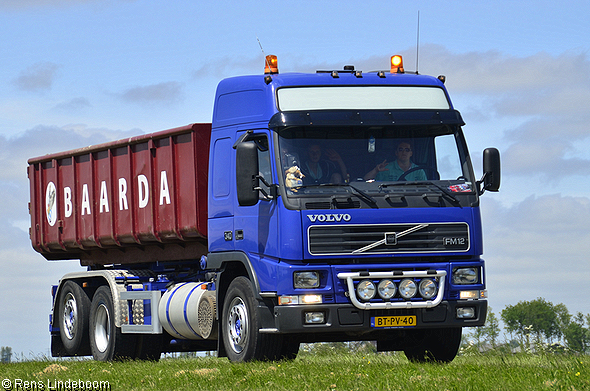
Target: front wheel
x,y
240,325
289,348
440,345
106,340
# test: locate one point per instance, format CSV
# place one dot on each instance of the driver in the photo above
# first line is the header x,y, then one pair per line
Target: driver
x,y
394,170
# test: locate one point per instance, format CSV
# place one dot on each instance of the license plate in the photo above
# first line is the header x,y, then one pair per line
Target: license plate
x,y
393,321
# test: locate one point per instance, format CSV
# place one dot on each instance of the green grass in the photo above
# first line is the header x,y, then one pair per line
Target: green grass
x,y
318,372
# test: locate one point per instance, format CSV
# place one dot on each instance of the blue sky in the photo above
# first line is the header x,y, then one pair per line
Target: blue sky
x,y
81,72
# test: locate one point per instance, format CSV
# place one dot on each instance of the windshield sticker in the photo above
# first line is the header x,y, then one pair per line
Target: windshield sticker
x,y
461,188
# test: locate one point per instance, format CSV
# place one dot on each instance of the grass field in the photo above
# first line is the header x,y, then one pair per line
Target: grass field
x,y
308,372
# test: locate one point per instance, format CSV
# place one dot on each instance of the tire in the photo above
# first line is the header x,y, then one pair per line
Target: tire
x,y
73,313
240,325
149,347
439,345
107,343
289,348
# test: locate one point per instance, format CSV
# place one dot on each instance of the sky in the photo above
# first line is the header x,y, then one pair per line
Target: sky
x,y
81,72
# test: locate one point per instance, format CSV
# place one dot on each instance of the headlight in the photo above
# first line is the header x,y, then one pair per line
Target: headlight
x,y
466,276
407,288
427,288
386,289
365,290
306,280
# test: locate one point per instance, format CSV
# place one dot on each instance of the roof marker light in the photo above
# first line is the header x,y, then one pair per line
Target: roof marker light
x,y
271,64
397,64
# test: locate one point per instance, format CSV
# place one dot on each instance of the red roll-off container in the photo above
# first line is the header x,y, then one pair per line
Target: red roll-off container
x,y
137,200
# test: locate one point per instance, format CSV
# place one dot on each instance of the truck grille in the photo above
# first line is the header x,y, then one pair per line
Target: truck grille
x,y
388,238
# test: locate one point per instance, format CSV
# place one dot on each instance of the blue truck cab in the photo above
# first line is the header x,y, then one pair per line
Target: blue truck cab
x,y
343,206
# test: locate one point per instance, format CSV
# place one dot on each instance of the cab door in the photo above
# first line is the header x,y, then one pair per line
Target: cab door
x,y
256,228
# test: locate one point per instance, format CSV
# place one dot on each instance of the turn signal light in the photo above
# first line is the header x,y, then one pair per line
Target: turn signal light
x,y
271,64
397,64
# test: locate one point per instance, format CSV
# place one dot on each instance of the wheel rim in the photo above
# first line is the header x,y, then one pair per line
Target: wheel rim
x,y
70,316
102,328
238,325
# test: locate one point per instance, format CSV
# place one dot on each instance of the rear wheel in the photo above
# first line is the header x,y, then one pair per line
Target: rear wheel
x,y
106,340
73,313
440,345
240,325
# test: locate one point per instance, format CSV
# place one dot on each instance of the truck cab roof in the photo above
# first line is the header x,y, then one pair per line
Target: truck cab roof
x,y
255,98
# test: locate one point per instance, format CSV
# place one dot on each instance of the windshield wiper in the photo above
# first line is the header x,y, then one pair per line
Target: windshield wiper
x,y
444,191
356,192
361,194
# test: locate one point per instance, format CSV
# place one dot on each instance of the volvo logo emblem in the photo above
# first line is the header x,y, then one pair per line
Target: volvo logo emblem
x,y
390,239
330,217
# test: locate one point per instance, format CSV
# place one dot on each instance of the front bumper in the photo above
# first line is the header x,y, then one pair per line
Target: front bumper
x,y
345,318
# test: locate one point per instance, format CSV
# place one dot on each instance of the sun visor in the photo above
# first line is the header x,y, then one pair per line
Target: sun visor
x,y
366,118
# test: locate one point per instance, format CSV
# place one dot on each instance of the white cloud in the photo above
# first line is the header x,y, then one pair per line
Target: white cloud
x,y
38,77
551,146
41,140
537,248
546,95
166,93
494,72
73,105
230,65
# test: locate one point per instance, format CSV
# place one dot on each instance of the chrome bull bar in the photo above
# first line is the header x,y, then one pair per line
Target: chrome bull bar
x,y
351,276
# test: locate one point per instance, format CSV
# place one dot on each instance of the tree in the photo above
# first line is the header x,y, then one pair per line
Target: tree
x,y
479,336
537,317
576,335
491,328
488,333
563,318
5,354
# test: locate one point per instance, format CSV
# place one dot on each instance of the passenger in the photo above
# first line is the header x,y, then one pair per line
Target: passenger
x,y
317,170
393,171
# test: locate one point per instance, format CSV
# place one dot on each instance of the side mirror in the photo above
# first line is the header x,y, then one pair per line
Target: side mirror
x,y
246,173
491,169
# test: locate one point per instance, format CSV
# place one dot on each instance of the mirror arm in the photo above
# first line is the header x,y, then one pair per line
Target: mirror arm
x,y
481,189
273,189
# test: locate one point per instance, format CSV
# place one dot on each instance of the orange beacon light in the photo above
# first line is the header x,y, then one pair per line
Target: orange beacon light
x,y
397,64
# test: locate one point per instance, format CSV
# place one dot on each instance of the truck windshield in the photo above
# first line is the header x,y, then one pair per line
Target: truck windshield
x,y
373,161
